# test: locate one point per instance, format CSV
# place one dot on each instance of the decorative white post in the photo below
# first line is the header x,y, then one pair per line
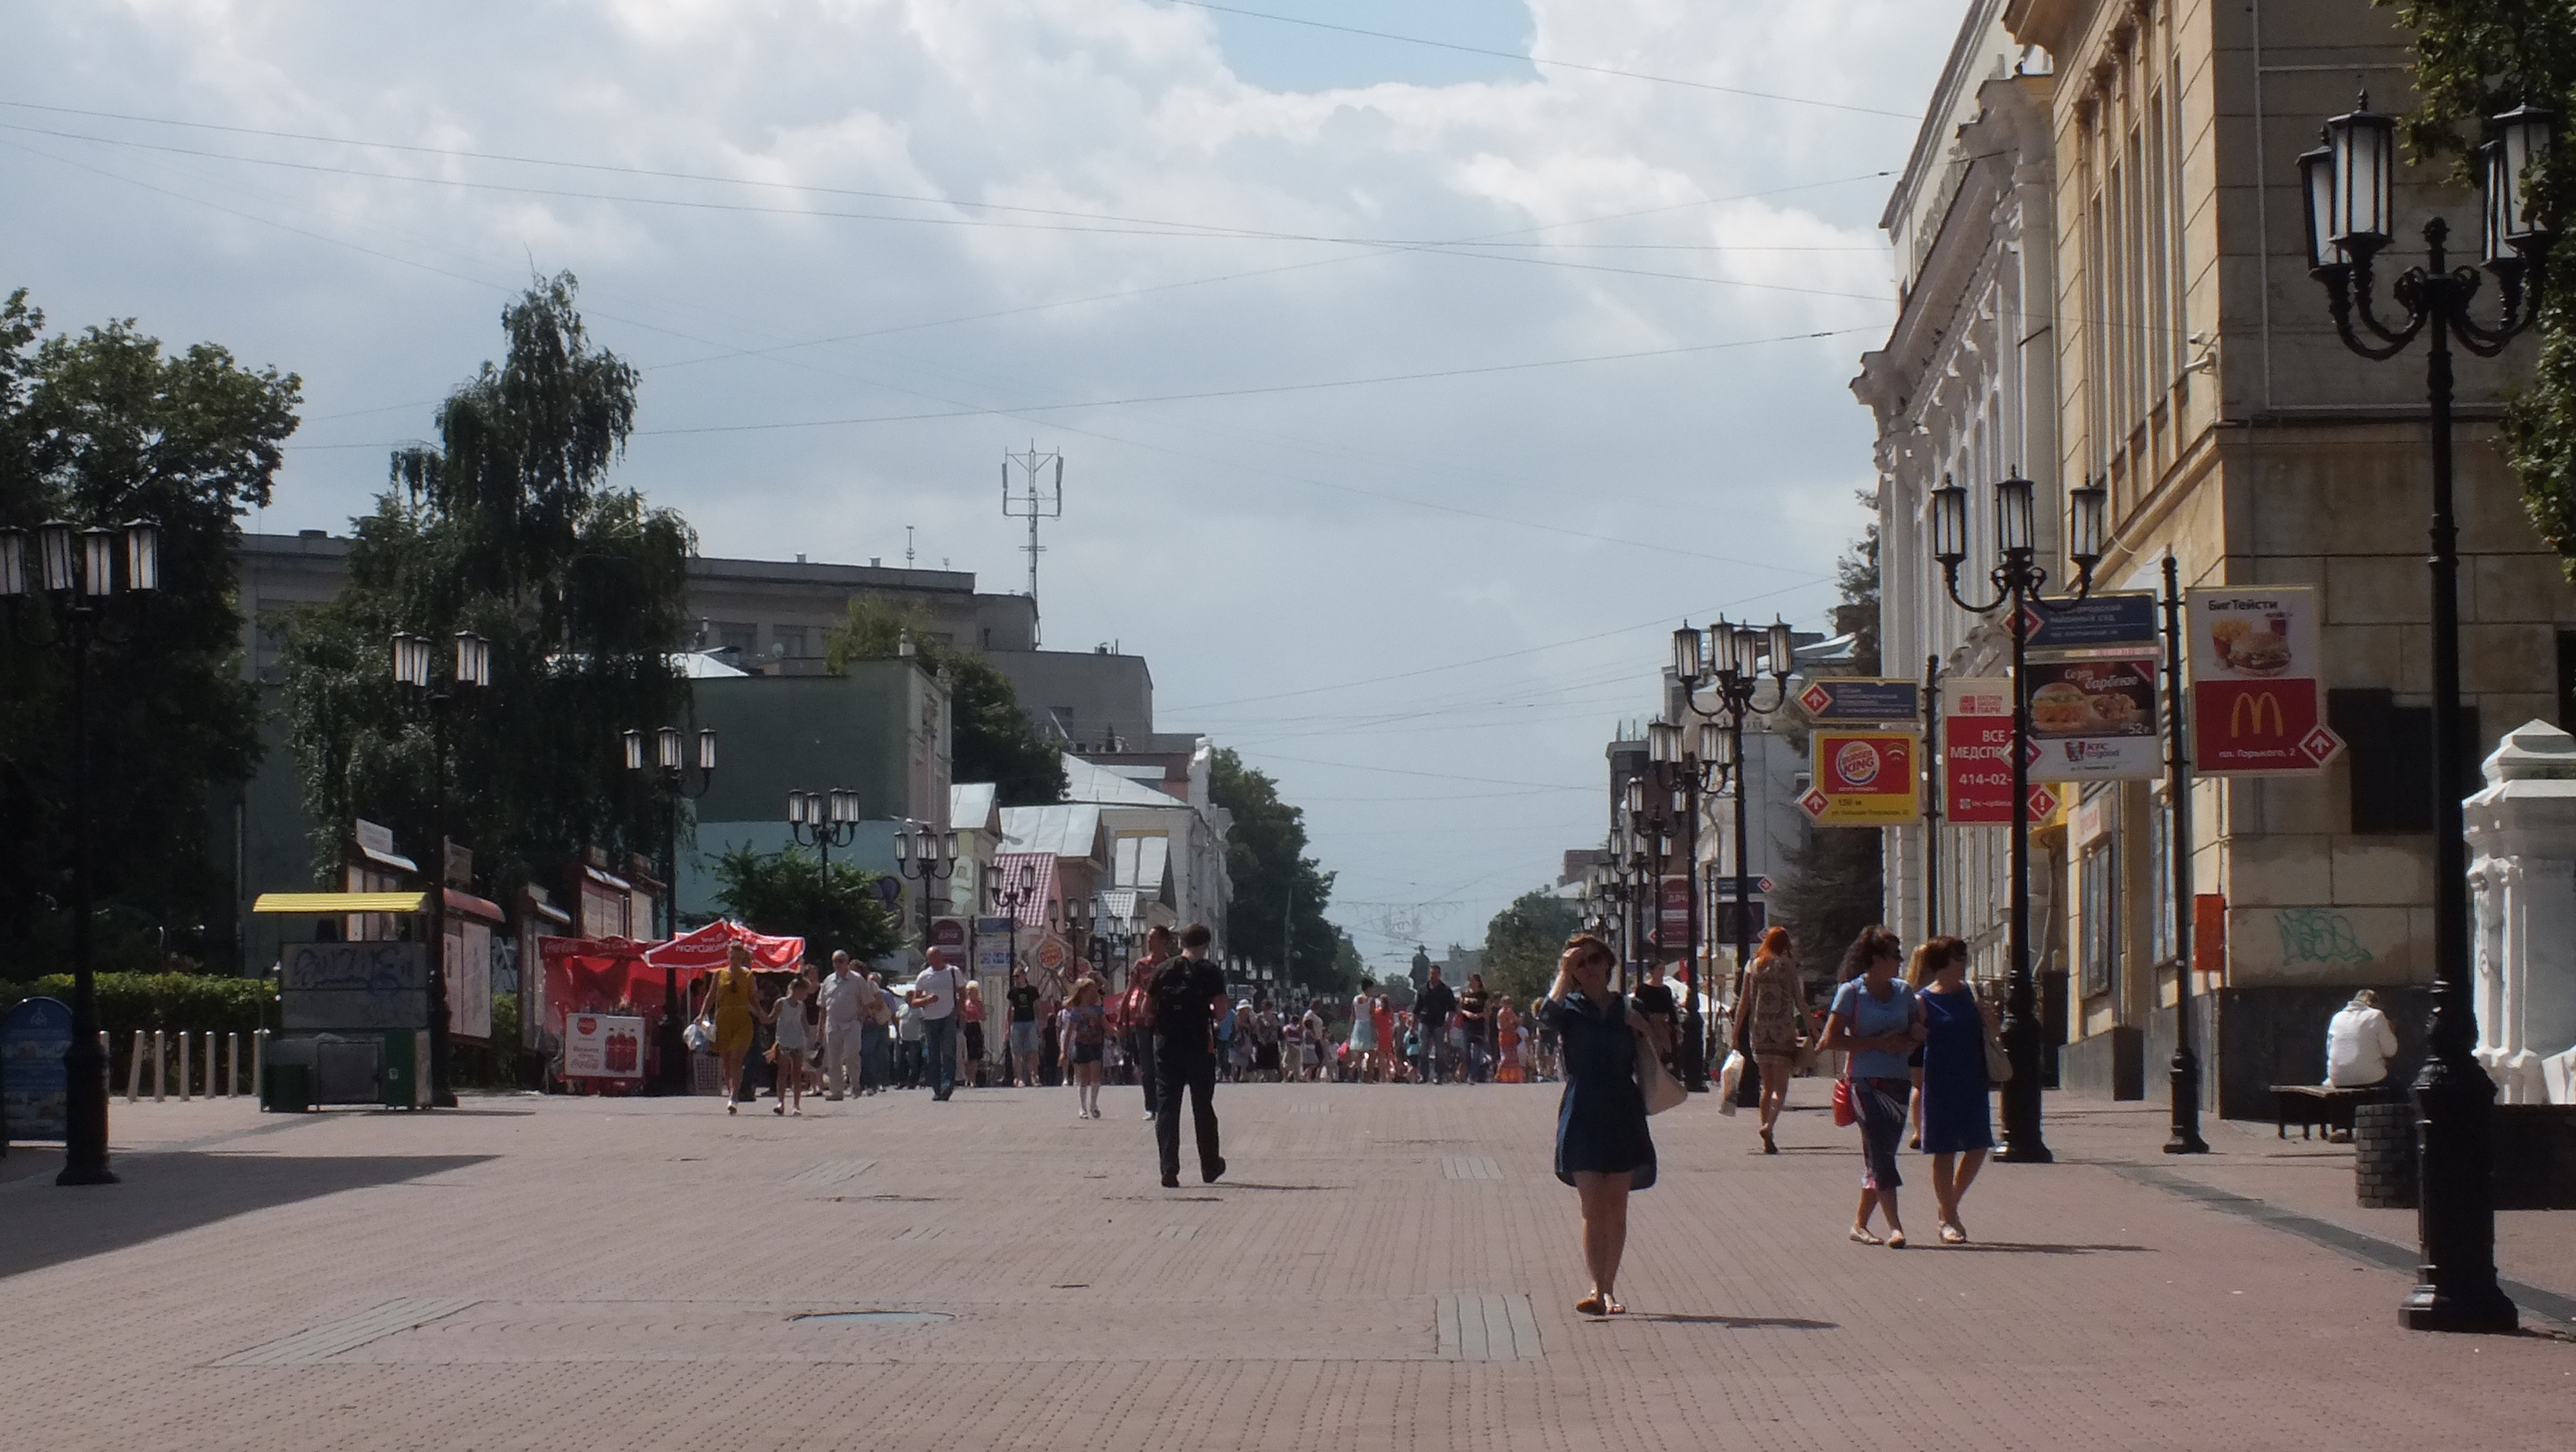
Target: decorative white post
x,y
2522,874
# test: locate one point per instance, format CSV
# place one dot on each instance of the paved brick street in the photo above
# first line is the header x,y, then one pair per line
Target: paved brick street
x,y
1384,1267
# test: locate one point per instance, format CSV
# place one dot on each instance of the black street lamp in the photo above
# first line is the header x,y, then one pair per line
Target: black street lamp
x,y
1689,773
2350,187
412,675
78,572
921,853
2019,581
824,820
1729,661
671,776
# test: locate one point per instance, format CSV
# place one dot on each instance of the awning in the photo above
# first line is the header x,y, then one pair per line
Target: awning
x,y
475,907
343,902
707,948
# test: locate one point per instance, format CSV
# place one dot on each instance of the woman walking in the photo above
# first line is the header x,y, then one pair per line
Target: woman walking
x,y
731,1004
1086,1033
788,1020
1602,1148
1507,1041
1956,1128
1879,1021
1773,1008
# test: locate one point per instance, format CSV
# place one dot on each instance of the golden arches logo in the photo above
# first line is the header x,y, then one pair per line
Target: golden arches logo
x,y
2252,706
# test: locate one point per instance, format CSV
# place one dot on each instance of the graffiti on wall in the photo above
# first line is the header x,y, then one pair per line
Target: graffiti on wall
x,y
2318,935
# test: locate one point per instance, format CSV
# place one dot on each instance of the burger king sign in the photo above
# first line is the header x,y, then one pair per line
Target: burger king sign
x,y
1865,778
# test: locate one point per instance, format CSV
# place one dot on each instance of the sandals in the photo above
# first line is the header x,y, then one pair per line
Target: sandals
x,y
1861,1235
1591,1305
1896,1240
1951,1234
1768,1147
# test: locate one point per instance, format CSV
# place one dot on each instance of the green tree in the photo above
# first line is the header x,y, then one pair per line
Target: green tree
x,y
832,906
99,428
992,738
2475,59
1265,856
1833,885
509,529
1523,941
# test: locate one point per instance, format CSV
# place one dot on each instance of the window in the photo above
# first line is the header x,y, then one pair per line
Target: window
x,y
736,640
2388,749
2101,900
787,640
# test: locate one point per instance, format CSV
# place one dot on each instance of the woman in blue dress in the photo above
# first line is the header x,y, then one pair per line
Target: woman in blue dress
x,y
1956,1129
1602,1148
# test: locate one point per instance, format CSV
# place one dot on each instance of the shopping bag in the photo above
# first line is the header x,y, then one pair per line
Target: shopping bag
x,y
1661,1089
1844,1114
1729,1080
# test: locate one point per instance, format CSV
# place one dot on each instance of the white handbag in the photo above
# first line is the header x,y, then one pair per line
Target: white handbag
x,y
1661,1089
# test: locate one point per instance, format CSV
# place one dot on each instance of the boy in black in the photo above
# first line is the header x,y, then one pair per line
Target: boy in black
x,y
1185,993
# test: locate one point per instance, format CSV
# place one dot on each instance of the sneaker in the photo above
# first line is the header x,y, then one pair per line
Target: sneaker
x,y
1212,1176
1171,1182
1149,1116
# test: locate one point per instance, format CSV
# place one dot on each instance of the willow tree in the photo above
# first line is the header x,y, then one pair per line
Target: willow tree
x,y
507,528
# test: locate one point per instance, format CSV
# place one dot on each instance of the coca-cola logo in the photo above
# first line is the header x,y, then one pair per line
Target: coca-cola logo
x,y
585,1026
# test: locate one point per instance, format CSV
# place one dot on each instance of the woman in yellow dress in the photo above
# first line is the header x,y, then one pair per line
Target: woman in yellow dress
x,y
1507,1044
730,1003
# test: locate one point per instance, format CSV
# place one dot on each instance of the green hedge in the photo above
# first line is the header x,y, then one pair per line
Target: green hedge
x,y
191,1002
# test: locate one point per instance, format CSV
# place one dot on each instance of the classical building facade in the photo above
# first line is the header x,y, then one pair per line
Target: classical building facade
x,y
2188,363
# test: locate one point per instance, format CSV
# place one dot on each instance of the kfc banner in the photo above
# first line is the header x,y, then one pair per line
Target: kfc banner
x,y
2094,720
2254,694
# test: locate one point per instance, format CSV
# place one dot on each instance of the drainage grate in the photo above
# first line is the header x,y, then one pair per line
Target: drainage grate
x,y
1469,1167
1487,1328
871,1318
316,1344
830,1172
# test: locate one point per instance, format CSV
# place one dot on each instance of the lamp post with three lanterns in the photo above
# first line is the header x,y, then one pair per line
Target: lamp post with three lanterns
x,y
78,572
2020,582
823,821
921,853
2350,185
436,702
671,774
1728,662
1686,776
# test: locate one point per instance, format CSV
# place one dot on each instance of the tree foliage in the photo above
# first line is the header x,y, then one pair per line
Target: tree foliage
x,y
1523,941
1265,856
507,528
831,907
2475,59
992,737
99,428
1834,883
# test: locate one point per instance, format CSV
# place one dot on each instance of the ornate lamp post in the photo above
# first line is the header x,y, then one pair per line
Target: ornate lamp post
x,y
2019,581
436,702
824,820
2350,187
78,572
1728,662
1689,771
672,777
922,853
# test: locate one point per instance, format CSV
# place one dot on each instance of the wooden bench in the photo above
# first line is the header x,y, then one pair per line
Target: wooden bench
x,y
2321,1107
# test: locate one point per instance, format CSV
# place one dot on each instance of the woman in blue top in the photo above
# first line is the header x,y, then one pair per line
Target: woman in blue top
x,y
1956,1128
1602,1148
1878,1020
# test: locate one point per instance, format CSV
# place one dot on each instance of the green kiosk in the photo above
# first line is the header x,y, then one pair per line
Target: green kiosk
x,y
353,1006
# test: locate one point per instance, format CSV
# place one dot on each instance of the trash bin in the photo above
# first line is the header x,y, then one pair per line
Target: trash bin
x,y
286,1088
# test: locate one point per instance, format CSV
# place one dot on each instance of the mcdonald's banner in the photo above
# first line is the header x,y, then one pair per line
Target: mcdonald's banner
x,y
1865,778
2254,692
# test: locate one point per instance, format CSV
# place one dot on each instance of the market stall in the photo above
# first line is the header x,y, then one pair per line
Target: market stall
x,y
615,1005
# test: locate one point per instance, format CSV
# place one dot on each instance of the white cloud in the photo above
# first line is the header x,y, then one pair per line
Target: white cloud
x,y
1343,533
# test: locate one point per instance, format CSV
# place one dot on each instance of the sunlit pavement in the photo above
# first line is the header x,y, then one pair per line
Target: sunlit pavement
x,y
1382,1267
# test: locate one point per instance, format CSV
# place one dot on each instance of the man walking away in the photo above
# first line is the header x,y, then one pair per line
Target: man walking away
x,y
1140,1009
934,997
845,1025
1187,994
1431,1010
1023,1041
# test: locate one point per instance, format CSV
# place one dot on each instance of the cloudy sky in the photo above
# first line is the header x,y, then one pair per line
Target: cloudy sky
x,y
1410,393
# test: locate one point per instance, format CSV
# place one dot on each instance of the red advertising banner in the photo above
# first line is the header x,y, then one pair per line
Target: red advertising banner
x,y
2254,693
1675,909
1976,752
1864,778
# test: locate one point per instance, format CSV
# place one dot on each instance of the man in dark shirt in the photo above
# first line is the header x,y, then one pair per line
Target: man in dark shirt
x,y
1023,1041
1431,1010
1186,993
1471,1028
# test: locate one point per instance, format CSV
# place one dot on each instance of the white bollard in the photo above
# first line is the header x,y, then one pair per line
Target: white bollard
x,y
258,1061
185,1039
160,1063
232,1065
134,1070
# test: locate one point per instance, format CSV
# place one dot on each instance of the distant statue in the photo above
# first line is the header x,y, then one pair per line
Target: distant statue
x,y
1421,966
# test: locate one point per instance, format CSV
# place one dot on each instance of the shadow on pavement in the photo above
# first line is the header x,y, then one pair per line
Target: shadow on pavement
x,y
2014,1247
164,1194
1739,1323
